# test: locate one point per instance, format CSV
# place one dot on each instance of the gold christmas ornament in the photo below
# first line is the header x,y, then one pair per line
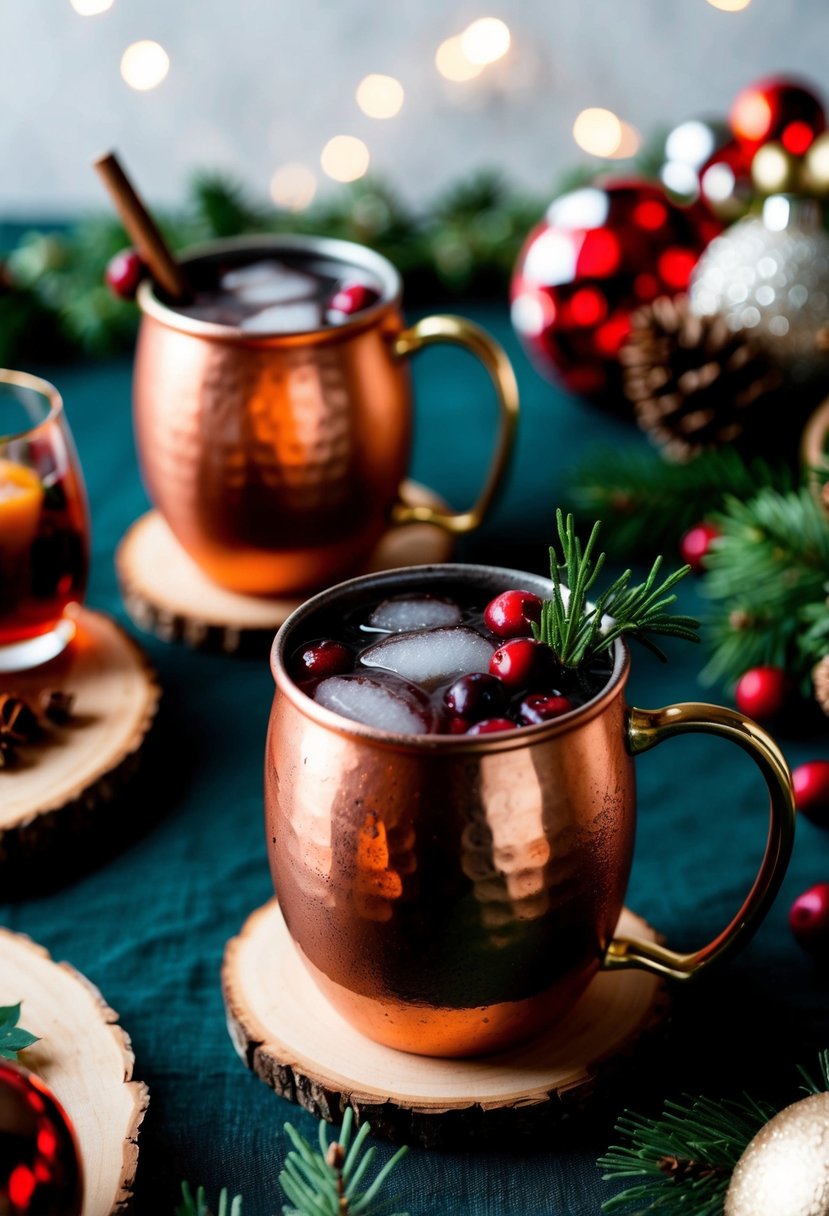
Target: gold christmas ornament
x,y
774,170
816,165
785,1169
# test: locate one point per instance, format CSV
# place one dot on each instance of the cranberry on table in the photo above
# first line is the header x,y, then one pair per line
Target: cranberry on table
x,y
512,614
763,693
353,297
811,790
476,696
319,660
543,707
124,272
520,662
696,545
809,919
491,726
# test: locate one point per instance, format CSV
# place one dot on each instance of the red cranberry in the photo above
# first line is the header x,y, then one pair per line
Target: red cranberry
x,y
319,660
809,918
476,696
353,297
517,661
123,274
763,693
696,545
512,613
542,706
811,788
491,726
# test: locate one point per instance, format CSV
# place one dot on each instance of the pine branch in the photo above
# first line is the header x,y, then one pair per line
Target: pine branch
x,y
576,631
647,504
684,1157
13,1038
327,1182
767,578
197,1206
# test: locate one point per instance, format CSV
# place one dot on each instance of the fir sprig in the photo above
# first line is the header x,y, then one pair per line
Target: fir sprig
x,y
576,630
648,504
13,1038
767,578
327,1183
684,1157
197,1205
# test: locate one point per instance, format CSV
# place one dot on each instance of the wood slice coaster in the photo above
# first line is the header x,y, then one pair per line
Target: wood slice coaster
x,y
86,1058
166,593
293,1039
68,781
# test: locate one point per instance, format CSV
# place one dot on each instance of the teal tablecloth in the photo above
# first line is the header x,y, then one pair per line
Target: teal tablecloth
x,y
149,927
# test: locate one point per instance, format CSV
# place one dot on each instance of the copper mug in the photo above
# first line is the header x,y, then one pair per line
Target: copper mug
x,y
277,460
452,895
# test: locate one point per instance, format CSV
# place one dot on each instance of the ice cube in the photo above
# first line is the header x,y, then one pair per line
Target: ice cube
x,y
374,703
404,613
295,318
431,657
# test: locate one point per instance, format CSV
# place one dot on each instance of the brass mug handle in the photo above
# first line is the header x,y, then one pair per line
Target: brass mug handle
x,y
479,343
646,728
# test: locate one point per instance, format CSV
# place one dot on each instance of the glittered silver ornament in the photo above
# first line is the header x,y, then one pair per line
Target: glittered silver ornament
x,y
769,276
785,1169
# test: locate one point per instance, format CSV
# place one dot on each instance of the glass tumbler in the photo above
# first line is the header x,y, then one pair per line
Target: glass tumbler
x,y
44,524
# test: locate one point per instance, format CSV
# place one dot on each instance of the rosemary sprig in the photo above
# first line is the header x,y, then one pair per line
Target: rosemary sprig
x,y
577,631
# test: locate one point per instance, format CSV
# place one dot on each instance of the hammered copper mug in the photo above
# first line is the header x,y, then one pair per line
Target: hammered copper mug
x,y
451,894
277,459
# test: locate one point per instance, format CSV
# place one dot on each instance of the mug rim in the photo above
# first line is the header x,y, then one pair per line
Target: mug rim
x,y
496,742
340,250
35,384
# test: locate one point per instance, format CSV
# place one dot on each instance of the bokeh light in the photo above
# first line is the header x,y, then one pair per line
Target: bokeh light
x,y
485,40
293,186
380,96
630,142
345,158
144,65
91,8
452,63
598,132
730,6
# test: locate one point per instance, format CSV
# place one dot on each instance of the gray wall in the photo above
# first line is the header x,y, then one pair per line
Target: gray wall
x,y
254,83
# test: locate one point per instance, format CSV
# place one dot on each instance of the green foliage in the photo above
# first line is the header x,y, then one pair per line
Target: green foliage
x,y
197,1206
767,579
575,631
327,1182
13,1038
684,1158
646,504
53,297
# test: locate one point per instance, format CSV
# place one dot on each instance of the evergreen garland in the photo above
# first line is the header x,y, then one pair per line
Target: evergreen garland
x,y
52,292
646,504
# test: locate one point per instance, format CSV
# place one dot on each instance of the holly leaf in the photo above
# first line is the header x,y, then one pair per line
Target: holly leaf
x,y
13,1038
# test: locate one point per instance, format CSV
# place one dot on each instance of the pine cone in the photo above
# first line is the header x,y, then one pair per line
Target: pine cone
x,y
820,683
695,384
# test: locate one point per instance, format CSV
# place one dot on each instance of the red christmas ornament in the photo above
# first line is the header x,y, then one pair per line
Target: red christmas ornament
x,y
763,693
599,254
811,789
40,1169
777,108
123,274
809,918
696,545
